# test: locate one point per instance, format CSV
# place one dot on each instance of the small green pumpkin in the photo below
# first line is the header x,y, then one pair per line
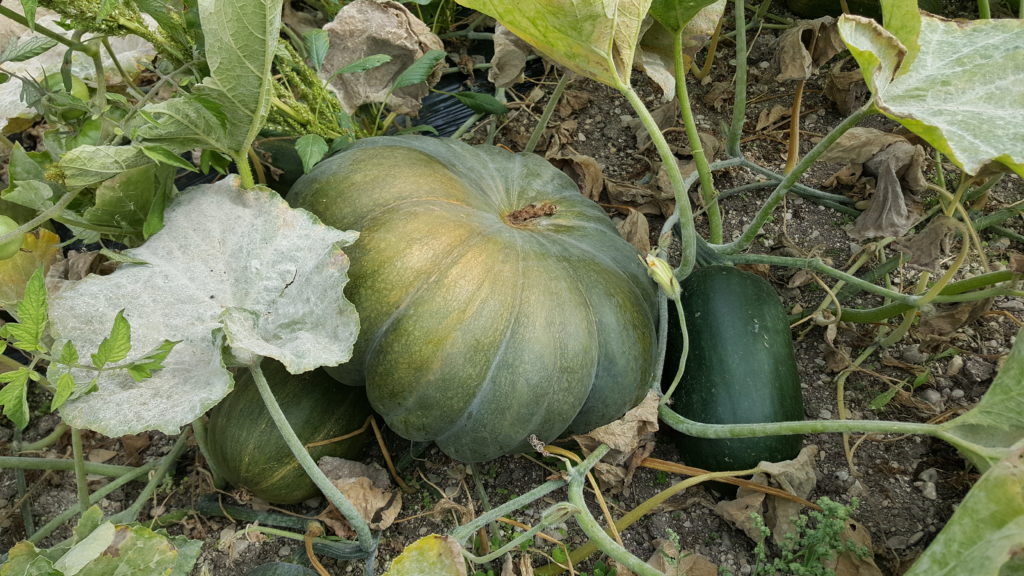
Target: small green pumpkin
x,y
247,449
496,302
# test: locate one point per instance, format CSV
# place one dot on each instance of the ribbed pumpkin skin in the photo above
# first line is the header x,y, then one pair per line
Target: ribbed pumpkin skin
x,y
247,448
740,368
476,332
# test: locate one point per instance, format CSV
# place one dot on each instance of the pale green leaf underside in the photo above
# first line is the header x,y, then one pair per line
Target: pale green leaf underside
x,y
89,165
240,38
676,14
228,261
594,38
963,93
985,530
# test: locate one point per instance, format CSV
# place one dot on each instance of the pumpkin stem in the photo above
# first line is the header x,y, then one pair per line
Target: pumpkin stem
x,y
530,212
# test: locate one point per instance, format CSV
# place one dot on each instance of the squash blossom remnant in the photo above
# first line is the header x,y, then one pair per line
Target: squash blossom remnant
x,y
661,272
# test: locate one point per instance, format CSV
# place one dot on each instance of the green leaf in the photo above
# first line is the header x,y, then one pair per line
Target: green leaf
x,y
258,275
987,529
883,399
31,312
28,8
32,194
14,396
311,149
364,64
676,14
116,346
162,155
105,8
129,200
594,39
419,70
317,43
997,421
89,165
19,51
24,559
22,166
962,94
240,39
482,103
68,353
902,19
65,386
151,362
90,520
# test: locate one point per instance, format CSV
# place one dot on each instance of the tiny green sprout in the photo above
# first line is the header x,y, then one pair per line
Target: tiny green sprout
x,y
661,272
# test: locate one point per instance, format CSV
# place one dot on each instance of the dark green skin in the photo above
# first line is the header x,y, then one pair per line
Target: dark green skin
x,y
477,332
247,448
740,368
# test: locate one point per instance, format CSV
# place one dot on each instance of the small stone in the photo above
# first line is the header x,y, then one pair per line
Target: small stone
x,y
1011,305
763,65
915,538
928,491
897,542
284,551
824,414
978,370
856,490
843,475
956,394
955,365
929,475
422,531
933,397
913,355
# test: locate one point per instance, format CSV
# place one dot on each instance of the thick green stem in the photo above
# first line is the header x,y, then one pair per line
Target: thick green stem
x,y
27,521
51,212
739,108
707,184
705,430
26,463
688,235
45,442
463,533
593,528
20,19
549,109
245,176
334,496
682,357
765,213
554,515
131,514
81,480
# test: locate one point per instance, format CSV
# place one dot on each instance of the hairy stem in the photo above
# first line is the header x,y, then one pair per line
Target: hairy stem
x,y
739,109
80,474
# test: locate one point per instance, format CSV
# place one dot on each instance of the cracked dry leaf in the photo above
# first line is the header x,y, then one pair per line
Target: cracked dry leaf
x,y
509,58
367,488
930,245
806,46
943,320
572,101
635,230
369,27
769,117
631,439
850,564
668,559
641,196
887,215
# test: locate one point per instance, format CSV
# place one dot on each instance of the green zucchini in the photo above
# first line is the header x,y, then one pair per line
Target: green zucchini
x,y
247,449
740,368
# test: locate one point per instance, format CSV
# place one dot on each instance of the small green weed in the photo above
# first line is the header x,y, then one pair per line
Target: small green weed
x,y
816,539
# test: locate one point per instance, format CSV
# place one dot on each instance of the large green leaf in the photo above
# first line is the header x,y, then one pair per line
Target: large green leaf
x,y
89,165
963,93
987,530
595,38
125,201
987,432
225,111
230,266
676,14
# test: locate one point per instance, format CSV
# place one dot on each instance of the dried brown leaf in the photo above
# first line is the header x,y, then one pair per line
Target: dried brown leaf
x,y
635,229
585,171
848,563
1017,262
859,144
930,245
943,320
887,215
718,94
100,455
806,46
665,116
523,567
737,511
655,51
769,117
669,561
631,438
846,89
572,101
846,176
509,58
367,27
367,488
625,193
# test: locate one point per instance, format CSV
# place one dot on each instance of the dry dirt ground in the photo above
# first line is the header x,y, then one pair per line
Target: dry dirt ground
x,y
907,486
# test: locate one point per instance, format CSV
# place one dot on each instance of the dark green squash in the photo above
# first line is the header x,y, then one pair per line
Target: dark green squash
x,y
740,368
247,449
495,301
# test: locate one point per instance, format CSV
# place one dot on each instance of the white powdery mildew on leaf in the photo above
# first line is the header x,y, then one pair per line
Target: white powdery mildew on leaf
x,y
963,92
230,265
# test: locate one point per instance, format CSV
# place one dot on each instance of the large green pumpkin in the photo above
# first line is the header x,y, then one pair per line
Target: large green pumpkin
x,y
495,301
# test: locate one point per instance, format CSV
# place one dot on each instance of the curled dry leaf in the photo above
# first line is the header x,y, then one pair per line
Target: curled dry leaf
x,y
631,439
795,476
367,488
846,89
930,245
943,320
768,117
647,199
522,567
509,58
585,171
635,230
805,47
665,117
850,564
572,101
366,28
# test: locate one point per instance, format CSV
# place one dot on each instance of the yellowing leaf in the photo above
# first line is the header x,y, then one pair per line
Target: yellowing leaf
x,y
431,555
594,38
39,249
